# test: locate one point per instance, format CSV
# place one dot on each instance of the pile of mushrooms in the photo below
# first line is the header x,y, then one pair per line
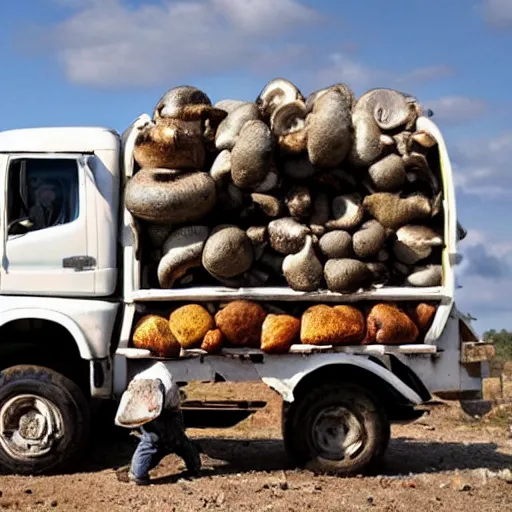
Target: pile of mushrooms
x,y
319,192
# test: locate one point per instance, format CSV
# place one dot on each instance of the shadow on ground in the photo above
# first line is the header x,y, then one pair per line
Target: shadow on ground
x,y
112,447
403,456
232,456
411,456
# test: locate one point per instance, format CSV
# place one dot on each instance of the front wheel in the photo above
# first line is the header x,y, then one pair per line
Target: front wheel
x,y
44,420
336,429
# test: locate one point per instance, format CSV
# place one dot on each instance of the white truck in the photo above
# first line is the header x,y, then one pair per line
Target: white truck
x,y
71,288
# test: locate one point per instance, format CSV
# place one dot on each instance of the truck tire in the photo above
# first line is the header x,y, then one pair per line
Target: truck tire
x,y
44,420
319,422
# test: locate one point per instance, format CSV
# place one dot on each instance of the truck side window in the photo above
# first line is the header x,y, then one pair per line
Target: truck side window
x,y
41,193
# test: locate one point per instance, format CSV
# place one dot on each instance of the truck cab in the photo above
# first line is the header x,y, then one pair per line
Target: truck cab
x,y
59,278
71,287
61,191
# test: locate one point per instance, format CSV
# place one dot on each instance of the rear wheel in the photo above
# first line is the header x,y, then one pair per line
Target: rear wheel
x,y
337,429
44,420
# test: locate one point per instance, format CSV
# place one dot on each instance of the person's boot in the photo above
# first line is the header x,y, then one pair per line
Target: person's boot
x,y
124,475
132,479
190,455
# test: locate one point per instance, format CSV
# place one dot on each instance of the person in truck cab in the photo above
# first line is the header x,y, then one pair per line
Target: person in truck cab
x,y
48,209
152,403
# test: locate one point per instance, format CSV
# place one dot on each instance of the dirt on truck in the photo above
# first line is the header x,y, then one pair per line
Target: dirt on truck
x,y
308,242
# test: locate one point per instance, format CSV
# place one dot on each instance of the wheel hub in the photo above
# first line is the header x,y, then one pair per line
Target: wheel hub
x,y
337,433
30,425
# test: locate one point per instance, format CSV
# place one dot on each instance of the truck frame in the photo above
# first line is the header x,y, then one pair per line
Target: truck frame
x,y
72,289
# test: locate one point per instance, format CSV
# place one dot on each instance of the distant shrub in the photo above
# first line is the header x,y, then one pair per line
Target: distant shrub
x,y
502,341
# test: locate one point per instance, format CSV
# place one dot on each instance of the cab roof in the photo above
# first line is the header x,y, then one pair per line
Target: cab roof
x,y
72,139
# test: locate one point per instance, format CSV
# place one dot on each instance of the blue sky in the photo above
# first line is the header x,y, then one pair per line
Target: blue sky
x,y
103,62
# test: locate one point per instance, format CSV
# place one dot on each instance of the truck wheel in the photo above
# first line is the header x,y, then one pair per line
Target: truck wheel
x,y
336,429
44,420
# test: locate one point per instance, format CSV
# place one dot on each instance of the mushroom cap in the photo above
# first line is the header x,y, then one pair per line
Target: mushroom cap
x,y
165,196
347,275
277,92
336,244
302,270
170,144
286,235
393,211
252,155
227,252
347,211
388,174
329,130
181,251
369,240
174,100
389,108
229,129
431,275
288,118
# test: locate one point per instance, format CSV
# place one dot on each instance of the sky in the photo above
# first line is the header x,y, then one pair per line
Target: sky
x,y
104,62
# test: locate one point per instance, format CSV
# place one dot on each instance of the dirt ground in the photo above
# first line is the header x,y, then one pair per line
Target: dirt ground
x,y
444,461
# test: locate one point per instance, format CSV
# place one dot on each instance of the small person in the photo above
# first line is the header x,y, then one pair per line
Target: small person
x,y
160,435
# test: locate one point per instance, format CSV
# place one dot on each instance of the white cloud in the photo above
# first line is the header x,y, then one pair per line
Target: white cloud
x,y
424,74
483,166
474,237
269,62
343,67
480,260
456,109
485,255
480,295
498,13
117,43
259,16
110,43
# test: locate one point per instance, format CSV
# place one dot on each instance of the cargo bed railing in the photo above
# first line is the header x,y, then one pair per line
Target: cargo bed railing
x,y
214,293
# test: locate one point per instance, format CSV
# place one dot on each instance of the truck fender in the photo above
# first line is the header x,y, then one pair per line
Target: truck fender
x,y
297,369
53,316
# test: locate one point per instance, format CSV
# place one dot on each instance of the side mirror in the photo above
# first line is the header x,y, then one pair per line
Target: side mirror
x,y
19,226
461,232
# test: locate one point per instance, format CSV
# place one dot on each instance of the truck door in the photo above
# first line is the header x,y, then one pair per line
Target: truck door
x,y
44,227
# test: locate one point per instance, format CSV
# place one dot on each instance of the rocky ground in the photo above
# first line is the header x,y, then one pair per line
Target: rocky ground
x,y
444,461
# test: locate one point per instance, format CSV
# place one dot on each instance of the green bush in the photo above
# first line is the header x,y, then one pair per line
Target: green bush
x,y
502,342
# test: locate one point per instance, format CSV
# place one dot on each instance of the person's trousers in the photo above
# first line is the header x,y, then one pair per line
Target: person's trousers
x,y
147,455
159,438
